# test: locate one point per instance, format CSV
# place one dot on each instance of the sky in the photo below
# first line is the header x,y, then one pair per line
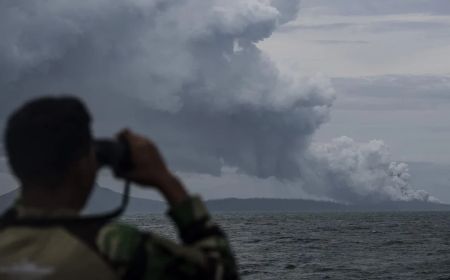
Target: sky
x,y
247,98
389,64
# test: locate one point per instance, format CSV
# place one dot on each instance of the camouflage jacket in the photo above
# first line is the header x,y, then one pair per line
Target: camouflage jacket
x,y
115,250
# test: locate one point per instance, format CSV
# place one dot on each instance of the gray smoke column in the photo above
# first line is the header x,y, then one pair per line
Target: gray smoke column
x,y
188,73
352,171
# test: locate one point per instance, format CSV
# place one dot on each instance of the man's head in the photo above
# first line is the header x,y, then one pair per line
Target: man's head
x,y
49,143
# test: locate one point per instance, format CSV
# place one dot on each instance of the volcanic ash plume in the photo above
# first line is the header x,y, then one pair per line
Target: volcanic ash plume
x,y
190,74
363,172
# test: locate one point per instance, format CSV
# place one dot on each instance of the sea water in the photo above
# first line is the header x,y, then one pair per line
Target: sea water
x,y
401,245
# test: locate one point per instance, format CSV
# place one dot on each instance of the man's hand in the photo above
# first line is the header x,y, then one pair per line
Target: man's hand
x,y
149,168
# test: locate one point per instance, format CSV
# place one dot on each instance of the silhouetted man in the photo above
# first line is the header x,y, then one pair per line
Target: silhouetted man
x,y
51,152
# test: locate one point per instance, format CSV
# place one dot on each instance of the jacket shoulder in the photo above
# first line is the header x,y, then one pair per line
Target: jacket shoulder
x,y
118,242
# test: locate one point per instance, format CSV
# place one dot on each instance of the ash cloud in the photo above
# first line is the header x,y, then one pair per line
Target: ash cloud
x,y
190,75
358,172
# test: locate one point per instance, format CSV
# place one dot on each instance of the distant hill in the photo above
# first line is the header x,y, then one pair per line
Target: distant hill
x,y
102,200
272,205
105,199
7,199
301,205
399,206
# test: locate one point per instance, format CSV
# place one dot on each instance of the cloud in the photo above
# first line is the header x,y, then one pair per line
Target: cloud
x,y
401,43
338,42
189,74
198,71
409,112
379,7
3,165
369,23
318,26
232,182
393,92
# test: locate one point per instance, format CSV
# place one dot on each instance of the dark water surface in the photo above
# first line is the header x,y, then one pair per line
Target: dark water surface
x,y
333,245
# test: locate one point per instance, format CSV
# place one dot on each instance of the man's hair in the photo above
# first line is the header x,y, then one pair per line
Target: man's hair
x,y
44,137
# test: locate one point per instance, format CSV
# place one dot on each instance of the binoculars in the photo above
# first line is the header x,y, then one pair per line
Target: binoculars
x,y
114,154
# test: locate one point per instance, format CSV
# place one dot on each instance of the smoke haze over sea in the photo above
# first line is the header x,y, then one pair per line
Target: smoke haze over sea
x,y
191,75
